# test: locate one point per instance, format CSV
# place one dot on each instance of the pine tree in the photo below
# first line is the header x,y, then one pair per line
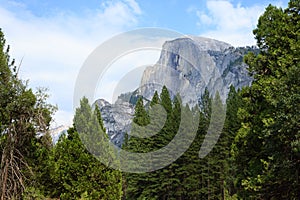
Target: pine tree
x,y
269,160
138,129
155,99
215,149
23,113
140,115
136,182
164,122
203,168
231,126
99,117
75,171
186,167
166,101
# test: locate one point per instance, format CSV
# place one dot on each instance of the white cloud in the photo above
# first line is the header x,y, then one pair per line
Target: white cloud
x,y
126,72
62,117
133,4
204,19
54,47
230,23
120,13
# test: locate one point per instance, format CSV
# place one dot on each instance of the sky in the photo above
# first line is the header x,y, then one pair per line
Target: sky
x,y
52,39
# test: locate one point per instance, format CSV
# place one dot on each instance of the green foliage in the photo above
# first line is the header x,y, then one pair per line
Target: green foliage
x,y
23,114
99,117
185,178
140,115
74,172
268,164
166,101
155,99
32,193
145,185
257,155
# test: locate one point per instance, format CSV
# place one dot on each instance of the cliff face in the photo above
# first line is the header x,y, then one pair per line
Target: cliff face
x,y
188,65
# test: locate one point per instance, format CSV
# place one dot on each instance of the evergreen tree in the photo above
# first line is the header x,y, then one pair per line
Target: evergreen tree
x,y
23,113
140,115
186,174
137,144
166,101
231,126
204,119
213,170
75,172
139,130
167,133
99,117
267,144
159,184
155,99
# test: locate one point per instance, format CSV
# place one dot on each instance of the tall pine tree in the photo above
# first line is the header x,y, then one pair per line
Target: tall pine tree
x,y
267,144
23,113
77,173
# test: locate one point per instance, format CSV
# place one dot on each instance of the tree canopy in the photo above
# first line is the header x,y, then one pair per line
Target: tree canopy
x,y
270,158
23,114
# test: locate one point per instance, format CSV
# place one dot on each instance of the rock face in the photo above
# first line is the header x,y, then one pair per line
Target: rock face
x,y
116,118
189,65
186,66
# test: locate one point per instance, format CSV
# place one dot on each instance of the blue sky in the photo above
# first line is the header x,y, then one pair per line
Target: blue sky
x,y
55,37
179,15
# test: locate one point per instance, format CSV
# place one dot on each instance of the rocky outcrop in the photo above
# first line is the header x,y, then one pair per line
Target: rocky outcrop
x,y
186,66
189,65
116,118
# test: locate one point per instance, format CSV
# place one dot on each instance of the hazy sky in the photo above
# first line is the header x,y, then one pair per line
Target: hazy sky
x,y
55,37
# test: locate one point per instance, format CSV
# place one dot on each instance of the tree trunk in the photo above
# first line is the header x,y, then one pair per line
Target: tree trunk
x,y
11,176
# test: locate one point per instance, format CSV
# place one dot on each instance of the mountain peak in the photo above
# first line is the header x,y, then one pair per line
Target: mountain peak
x,y
203,43
186,66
